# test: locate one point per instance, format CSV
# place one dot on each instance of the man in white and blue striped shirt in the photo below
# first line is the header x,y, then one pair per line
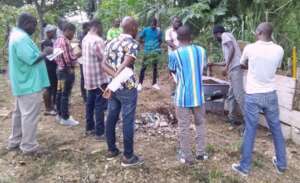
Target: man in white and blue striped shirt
x,y
188,62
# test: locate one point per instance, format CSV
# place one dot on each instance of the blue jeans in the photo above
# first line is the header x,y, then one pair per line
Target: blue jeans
x,y
65,84
125,100
95,107
268,103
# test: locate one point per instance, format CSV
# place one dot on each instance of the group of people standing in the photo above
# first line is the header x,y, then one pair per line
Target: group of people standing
x,y
101,61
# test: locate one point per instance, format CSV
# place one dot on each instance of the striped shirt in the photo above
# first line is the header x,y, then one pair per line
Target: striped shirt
x,y
188,63
92,57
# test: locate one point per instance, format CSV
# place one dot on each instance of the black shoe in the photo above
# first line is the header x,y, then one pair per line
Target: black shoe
x,y
133,161
112,155
202,157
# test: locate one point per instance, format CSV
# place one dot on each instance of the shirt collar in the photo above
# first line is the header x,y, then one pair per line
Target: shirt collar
x,y
124,35
264,42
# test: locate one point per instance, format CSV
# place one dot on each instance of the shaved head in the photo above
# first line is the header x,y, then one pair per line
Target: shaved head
x,y
264,29
129,26
184,33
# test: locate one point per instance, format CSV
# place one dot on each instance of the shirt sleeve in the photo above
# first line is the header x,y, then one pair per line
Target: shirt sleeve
x,y
26,51
142,34
131,49
168,36
172,61
244,57
99,50
109,36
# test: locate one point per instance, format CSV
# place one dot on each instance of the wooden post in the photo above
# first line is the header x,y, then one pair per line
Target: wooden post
x,y
294,63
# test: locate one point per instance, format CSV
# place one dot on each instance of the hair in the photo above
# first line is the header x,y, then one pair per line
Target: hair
x,y
96,24
154,21
86,25
69,27
218,29
24,19
184,33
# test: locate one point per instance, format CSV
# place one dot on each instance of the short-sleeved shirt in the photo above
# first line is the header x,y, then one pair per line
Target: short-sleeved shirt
x,y
152,39
51,65
117,49
68,58
26,76
263,60
92,57
188,63
113,33
171,35
228,38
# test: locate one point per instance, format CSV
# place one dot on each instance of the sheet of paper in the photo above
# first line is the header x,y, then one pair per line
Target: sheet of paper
x,y
56,53
116,83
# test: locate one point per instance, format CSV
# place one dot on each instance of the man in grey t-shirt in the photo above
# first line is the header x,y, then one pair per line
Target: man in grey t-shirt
x,y
232,55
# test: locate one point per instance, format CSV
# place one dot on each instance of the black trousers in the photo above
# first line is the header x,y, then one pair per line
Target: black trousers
x,y
151,59
66,80
50,93
82,89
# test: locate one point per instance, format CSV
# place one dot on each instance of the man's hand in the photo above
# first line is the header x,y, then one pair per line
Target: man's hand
x,y
48,51
107,93
224,72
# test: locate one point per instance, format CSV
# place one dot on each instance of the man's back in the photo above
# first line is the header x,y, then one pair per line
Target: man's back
x,y
263,60
188,62
92,56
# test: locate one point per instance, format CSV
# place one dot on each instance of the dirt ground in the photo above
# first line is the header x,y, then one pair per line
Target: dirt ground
x,y
72,157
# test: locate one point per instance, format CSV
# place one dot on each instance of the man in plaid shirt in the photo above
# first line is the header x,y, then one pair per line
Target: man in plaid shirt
x,y
95,80
65,75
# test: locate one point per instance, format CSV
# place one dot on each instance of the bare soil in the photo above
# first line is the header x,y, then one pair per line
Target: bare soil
x,y
72,157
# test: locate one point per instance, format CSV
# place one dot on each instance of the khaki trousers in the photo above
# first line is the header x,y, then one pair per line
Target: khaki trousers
x,y
24,122
185,117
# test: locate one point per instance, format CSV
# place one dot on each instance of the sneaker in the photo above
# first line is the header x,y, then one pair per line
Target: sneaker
x,y
180,157
139,87
202,157
133,161
278,170
100,138
156,87
57,118
50,113
69,122
12,148
237,168
112,155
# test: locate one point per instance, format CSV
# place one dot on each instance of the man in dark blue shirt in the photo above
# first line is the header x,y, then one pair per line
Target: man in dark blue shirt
x,y
152,39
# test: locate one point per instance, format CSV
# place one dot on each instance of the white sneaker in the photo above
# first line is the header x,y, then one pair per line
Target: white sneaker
x,y
139,87
69,122
156,87
57,118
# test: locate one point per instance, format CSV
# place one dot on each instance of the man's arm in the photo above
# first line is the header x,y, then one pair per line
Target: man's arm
x,y
171,44
244,59
228,53
109,70
128,61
